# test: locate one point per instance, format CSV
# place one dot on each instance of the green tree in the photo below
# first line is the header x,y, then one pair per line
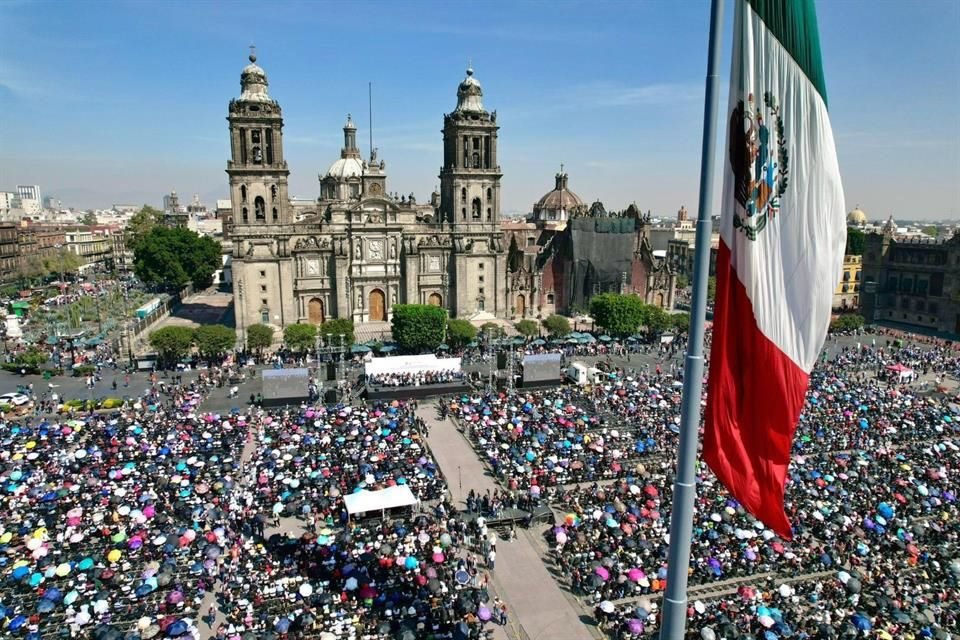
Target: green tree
x,y
619,315
856,240
62,261
931,230
527,328
847,322
492,330
711,289
682,281
680,322
300,337
460,332
140,224
259,337
417,327
557,325
172,343
214,340
338,327
89,219
31,359
656,319
173,257
29,267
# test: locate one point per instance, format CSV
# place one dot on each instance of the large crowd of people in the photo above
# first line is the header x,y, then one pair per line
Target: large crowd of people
x,y
129,523
872,495
415,378
114,522
162,519
539,440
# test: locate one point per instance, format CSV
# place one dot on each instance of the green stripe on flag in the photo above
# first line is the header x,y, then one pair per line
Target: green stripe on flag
x,y
794,24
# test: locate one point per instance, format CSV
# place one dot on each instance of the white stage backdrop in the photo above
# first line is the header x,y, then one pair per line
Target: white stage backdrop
x,y
411,364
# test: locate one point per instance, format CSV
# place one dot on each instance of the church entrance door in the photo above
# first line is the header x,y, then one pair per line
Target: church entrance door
x,y
315,311
435,299
521,306
378,311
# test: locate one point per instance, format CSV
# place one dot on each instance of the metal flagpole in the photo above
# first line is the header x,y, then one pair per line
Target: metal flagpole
x,y
684,488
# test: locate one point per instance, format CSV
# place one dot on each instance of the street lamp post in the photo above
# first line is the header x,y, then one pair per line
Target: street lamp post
x,y
58,247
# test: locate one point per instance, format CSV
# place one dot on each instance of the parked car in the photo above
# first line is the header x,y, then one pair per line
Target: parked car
x,y
14,399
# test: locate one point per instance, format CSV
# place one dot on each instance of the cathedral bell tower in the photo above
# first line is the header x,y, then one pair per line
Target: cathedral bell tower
x,y
470,204
470,176
258,173
260,207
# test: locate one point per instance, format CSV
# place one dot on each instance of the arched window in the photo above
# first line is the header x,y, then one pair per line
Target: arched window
x,y
259,209
243,193
463,194
275,217
476,208
273,193
245,217
464,212
489,195
257,156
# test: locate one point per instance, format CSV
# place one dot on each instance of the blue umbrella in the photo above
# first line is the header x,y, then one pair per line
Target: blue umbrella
x,y
45,606
178,628
861,622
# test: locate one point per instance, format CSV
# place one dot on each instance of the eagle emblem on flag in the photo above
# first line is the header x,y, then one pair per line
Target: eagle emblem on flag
x,y
760,162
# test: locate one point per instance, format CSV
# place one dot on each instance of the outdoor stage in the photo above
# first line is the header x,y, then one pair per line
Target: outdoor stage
x,y
378,392
412,365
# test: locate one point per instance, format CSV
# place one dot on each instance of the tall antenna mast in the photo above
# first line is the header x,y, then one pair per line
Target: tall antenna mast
x,y
370,108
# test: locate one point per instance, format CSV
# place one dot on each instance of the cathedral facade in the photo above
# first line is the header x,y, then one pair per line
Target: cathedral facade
x,y
356,250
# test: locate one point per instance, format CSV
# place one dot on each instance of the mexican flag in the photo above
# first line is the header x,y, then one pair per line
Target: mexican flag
x,y
782,236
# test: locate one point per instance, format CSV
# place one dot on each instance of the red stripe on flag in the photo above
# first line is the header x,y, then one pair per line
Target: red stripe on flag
x,y
754,401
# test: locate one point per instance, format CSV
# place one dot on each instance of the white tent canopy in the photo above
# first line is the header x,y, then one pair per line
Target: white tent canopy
x,y
389,498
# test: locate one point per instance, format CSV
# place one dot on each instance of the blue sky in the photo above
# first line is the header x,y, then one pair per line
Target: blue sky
x,y
123,101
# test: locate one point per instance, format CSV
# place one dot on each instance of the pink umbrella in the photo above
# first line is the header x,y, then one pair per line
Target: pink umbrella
x,y
602,572
636,575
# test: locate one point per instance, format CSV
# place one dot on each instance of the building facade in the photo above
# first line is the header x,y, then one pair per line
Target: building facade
x,y
846,297
357,249
568,252
914,282
30,199
9,251
91,246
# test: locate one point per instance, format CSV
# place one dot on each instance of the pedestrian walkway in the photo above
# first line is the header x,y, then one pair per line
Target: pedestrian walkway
x,y
459,463
521,579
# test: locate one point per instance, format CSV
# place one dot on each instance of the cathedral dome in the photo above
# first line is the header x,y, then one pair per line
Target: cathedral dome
x,y
349,167
857,217
561,198
470,94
